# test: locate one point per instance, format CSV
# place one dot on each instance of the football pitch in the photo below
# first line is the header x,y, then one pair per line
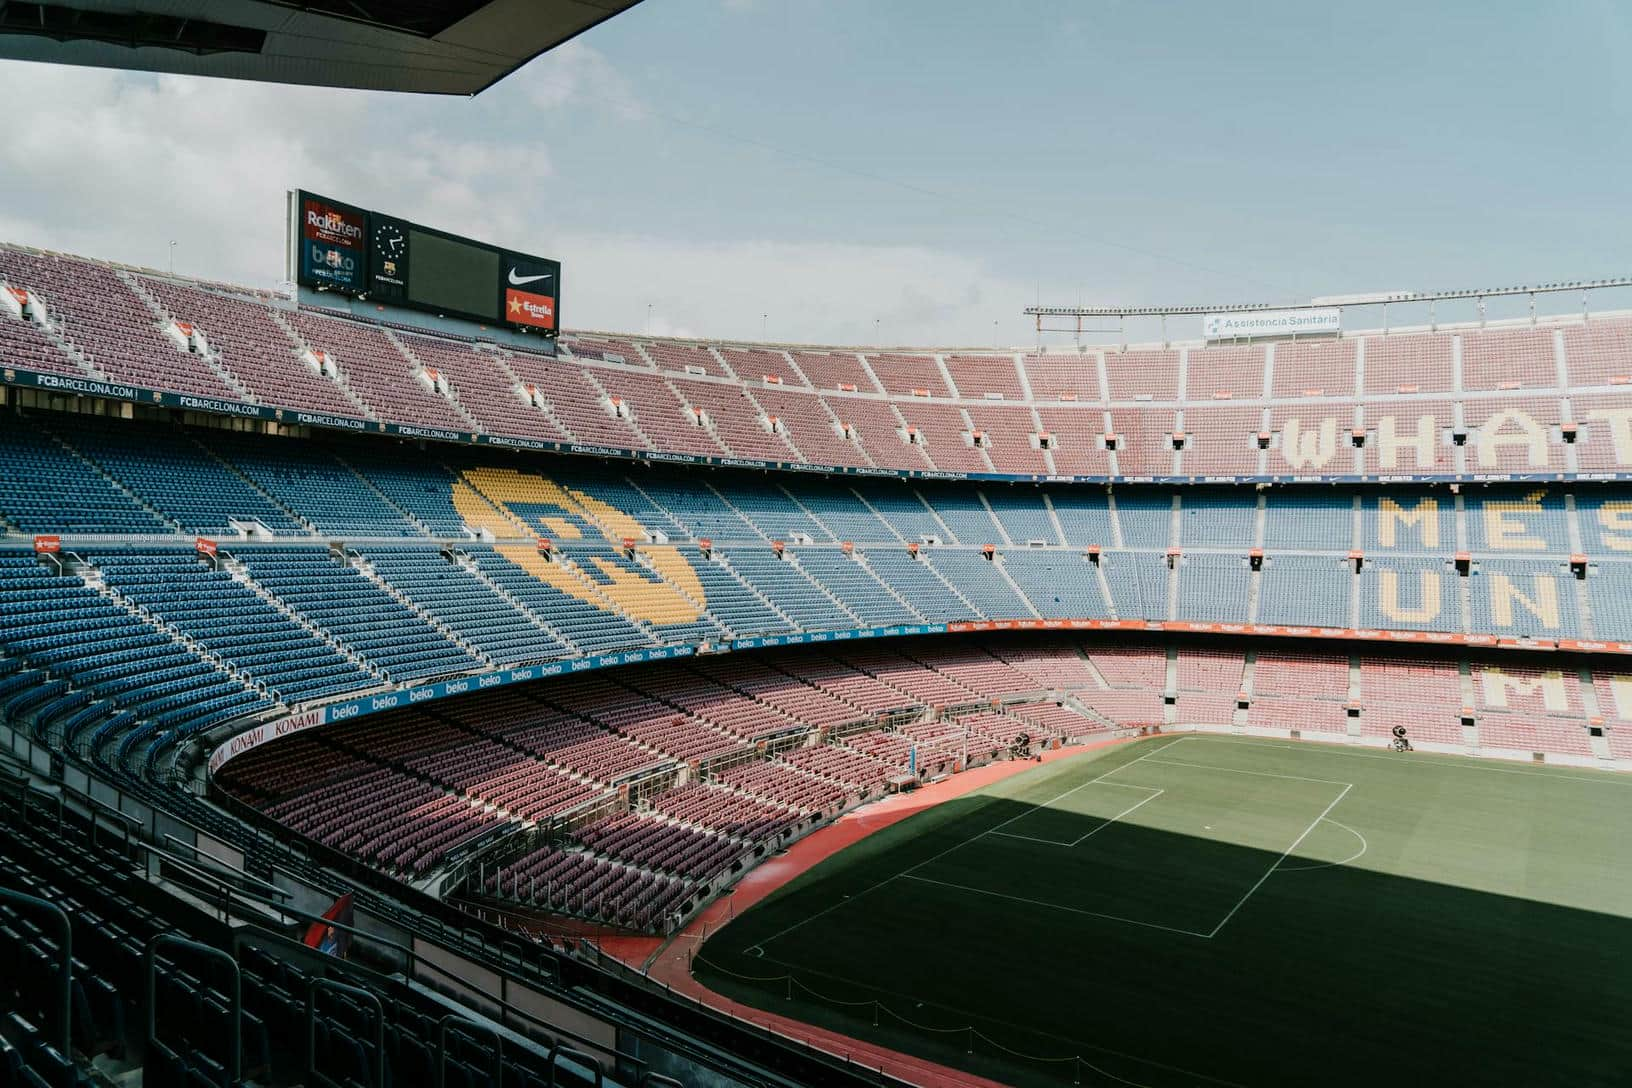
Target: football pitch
x,y
1203,909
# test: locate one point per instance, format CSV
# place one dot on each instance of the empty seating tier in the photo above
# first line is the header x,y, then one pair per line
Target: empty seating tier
x,y
1288,407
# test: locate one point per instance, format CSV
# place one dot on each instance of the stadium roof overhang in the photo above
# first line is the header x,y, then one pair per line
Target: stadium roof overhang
x,y
426,46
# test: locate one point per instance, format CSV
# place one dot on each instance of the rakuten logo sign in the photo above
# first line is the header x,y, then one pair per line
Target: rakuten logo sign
x,y
326,224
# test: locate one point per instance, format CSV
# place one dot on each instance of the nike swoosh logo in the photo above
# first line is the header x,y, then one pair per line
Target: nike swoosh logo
x,y
522,281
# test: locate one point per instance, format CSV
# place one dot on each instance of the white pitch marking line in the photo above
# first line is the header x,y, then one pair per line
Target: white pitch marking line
x,y
1090,834
843,900
1453,761
1240,770
1152,790
1031,838
1034,808
1271,870
1364,846
956,846
1057,906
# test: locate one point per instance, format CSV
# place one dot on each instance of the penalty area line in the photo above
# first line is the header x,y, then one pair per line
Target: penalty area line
x,y
1085,836
1058,906
955,846
1155,793
1284,854
996,828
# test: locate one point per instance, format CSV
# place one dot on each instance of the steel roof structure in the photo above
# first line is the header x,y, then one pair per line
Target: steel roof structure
x,y
424,46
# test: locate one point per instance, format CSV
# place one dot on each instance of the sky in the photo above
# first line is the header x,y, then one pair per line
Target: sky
x,y
909,172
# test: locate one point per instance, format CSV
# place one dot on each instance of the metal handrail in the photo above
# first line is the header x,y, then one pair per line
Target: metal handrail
x,y
235,1056
28,790
319,983
65,960
471,940
414,961
564,1051
218,885
208,862
124,821
496,1074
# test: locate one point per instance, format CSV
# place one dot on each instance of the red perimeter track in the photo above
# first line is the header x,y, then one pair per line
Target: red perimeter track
x,y
672,965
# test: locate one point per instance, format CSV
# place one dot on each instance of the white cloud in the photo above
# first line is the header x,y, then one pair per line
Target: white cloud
x,y
807,291
115,165
577,72
483,190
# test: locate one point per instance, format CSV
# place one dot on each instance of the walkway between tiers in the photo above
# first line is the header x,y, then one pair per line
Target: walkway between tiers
x,y
671,965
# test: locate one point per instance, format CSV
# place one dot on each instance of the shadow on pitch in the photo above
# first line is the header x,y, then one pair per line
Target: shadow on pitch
x,y
1016,959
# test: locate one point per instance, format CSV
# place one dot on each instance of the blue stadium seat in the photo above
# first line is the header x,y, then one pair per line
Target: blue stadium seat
x,y
979,580
1061,584
367,620
230,620
789,589
1023,516
590,627
467,604
855,585
1146,518
46,489
314,484
842,512
1217,518
731,600
900,505
917,581
1138,582
411,480
1085,516
1304,521
175,476
1214,588
1304,591
698,510
963,513
769,509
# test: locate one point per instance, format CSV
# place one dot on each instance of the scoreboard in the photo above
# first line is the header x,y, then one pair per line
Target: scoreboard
x,y
366,254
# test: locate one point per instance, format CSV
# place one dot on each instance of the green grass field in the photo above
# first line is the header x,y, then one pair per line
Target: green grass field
x,y
1220,910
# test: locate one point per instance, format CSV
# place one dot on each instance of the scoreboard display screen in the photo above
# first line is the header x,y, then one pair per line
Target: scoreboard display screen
x,y
453,276
343,248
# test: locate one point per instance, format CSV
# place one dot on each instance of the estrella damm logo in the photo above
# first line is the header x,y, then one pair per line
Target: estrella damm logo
x,y
510,504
